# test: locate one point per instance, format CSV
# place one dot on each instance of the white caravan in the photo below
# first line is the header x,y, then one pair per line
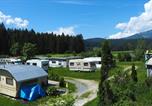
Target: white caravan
x,y
58,62
81,65
96,60
10,61
40,63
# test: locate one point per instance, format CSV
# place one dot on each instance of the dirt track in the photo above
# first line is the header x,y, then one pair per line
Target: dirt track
x,y
84,86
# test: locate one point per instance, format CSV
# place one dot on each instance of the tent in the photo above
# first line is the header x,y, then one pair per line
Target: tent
x,y
31,92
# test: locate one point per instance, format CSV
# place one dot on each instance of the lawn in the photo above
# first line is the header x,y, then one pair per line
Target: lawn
x,y
65,72
115,53
71,87
62,55
7,101
92,103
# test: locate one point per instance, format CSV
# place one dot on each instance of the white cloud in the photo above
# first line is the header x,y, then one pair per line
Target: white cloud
x,y
66,30
136,24
9,20
73,2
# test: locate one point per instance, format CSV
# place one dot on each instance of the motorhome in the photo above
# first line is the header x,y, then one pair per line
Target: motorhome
x,y
40,63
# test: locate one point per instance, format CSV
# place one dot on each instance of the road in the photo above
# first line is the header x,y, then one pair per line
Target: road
x,y
84,86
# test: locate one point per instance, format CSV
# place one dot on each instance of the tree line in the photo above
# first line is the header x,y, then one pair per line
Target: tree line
x,y
45,42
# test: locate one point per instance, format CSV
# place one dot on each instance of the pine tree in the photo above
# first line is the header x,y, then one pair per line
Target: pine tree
x,y
107,63
134,74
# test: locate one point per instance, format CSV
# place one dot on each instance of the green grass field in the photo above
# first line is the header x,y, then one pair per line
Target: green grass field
x,y
92,103
71,87
115,53
62,55
65,72
7,101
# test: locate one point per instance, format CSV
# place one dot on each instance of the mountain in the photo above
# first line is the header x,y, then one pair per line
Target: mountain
x,y
127,43
146,35
93,42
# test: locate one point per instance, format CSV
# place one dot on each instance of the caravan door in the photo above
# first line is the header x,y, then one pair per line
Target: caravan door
x,y
79,66
0,84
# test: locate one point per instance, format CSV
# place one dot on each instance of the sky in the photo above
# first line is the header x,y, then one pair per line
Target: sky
x,y
92,18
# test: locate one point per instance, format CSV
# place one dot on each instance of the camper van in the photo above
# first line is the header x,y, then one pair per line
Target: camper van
x,y
40,63
81,65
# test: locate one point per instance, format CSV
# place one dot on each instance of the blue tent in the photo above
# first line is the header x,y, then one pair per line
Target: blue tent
x,y
32,92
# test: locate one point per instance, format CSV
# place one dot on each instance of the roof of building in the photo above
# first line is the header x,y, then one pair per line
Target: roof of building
x,y
24,72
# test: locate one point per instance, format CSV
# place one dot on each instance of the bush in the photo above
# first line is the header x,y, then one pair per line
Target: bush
x,y
51,91
148,81
124,57
65,100
62,83
54,77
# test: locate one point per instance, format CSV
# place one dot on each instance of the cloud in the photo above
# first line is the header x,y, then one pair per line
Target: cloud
x,y
66,30
9,20
74,2
136,24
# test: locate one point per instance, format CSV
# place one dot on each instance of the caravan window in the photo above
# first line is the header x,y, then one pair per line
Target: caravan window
x,y
46,64
53,61
92,64
71,64
28,63
9,81
34,64
86,64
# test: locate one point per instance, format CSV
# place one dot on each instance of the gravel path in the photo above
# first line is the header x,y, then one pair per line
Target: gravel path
x,y
84,86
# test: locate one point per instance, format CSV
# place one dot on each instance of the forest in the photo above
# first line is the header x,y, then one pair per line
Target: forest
x,y
45,42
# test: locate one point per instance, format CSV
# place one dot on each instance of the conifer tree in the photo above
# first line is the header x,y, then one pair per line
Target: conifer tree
x,y
107,62
134,74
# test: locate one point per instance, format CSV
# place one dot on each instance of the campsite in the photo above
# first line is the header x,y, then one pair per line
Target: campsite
x,y
75,53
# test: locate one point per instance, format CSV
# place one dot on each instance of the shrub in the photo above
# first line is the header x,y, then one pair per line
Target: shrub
x,y
148,81
54,77
51,91
124,57
62,83
65,100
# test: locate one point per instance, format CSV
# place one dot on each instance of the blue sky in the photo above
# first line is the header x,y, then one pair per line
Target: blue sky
x,y
92,18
